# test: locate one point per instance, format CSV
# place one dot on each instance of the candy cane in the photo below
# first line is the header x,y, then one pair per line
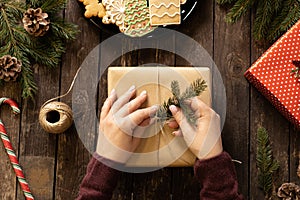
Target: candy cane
x,y
11,153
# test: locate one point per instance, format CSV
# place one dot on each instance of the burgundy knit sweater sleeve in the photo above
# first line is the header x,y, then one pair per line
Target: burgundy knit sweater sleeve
x,y
99,181
217,177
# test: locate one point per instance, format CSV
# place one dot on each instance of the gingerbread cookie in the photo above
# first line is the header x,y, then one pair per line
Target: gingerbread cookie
x,y
164,12
115,13
93,8
137,18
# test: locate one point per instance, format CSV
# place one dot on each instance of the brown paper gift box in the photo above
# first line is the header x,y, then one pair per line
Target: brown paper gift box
x,y
161,148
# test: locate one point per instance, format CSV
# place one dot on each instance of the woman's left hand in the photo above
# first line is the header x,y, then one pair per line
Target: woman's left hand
x,y
122,125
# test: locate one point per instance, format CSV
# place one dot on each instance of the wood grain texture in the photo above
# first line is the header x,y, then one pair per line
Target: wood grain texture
x,y
231,55
157,184
72,156
56,164
294,155
263,114
124,189
199,26
34,141
12,126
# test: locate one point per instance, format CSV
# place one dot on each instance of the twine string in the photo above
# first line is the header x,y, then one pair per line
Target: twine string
x,y
69,90
57,117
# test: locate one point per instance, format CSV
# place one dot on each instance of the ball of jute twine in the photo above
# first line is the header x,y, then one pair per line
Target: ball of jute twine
x,y
57,117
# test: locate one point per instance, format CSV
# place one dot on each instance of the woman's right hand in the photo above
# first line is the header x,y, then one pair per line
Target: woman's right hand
x,y
203,139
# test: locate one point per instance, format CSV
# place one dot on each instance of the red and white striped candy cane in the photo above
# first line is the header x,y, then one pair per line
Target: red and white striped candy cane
x,y
10,151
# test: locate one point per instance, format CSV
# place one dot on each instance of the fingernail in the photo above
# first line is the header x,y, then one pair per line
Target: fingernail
x,y
173,133
131,88
154,108
170,120
153,111
112,92
143,93
173,108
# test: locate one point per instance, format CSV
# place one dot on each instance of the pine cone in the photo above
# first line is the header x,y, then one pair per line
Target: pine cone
x,y
289,191
10,68
36,22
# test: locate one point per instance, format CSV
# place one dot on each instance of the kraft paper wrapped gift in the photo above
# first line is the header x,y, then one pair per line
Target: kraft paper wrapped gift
x,y
160,148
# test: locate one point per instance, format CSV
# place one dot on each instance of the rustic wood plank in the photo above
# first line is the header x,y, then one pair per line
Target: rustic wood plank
x,y
36,146
72,156
157,184
264,114
12,126
124,190
230,46
231,54
294,155
198,26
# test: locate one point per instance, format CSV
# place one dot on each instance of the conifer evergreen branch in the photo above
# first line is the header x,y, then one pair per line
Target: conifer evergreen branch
x,y
290,17
238,10
272,17
266,165
222,2
19,7
45,50
263,17
195,89
53,6
66,30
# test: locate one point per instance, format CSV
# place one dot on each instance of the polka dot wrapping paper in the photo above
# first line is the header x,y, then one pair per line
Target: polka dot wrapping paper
x,y
271,75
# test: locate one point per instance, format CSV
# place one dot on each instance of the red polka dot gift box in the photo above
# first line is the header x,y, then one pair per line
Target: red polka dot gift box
x,y
271,75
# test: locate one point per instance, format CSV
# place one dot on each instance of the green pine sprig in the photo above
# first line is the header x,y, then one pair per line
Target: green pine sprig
x,y
179,100
46,50
272,17
265,162
296,71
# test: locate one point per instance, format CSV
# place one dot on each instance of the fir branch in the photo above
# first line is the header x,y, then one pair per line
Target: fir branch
x,y
266,165
195,89
12,37
222,2
53,6
272,17
292,16
238,10
64,30
46,50
266,13
296,71
27,81
175,88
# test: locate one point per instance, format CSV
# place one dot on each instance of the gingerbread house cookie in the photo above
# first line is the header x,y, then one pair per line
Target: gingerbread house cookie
x,y
164,12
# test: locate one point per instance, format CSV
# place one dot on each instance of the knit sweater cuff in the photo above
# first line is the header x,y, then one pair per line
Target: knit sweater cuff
x,y
100,179
217,176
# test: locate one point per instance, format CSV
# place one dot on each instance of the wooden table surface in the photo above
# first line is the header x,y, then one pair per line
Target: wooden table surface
x,y
56,164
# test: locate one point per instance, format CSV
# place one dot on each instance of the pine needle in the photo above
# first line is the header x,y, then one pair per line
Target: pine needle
x,y
222,2
266,165
272,17
195,89
238,10
46,50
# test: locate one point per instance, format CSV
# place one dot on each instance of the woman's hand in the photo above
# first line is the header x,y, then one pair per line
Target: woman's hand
x,y
122,124
204,139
